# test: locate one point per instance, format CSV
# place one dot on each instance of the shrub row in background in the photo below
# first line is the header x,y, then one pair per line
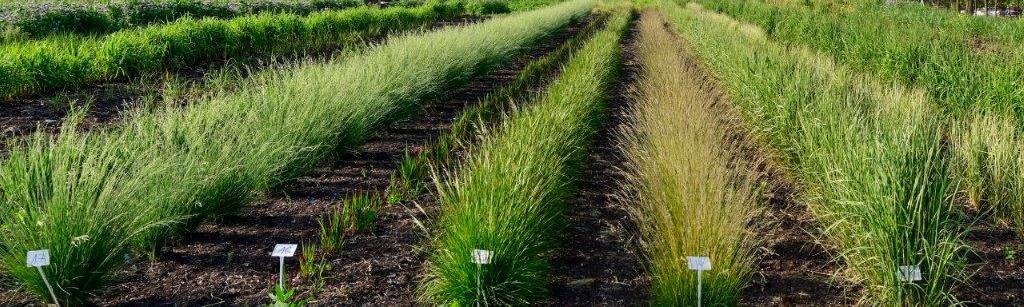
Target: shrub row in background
x,y
687,186
971,67
89,197
508,197
38,19
868,156
68,62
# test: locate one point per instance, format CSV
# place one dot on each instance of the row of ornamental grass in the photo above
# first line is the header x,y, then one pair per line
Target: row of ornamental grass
x,y
89,197
508,196
868,155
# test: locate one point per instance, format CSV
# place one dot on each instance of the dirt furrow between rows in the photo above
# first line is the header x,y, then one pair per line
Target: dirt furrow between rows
x,y
996,264
598,263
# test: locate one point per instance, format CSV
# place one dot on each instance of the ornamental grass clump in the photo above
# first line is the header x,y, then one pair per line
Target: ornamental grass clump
x,y
687,186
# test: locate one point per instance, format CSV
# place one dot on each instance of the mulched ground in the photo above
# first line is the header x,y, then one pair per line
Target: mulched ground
x,y
794,268
998,280
228,261
599,264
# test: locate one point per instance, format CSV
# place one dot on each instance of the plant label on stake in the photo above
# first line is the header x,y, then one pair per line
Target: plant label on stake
x,y
699,264
281,251
480,257
38,259
910,273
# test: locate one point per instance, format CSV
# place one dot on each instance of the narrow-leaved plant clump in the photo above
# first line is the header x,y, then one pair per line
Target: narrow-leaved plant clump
x,y
690,191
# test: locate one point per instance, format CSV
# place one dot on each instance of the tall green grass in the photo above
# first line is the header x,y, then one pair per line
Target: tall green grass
x,y
688,188
482,115
989,153
67,62
37,19
509,194
869,156
91,197
971,68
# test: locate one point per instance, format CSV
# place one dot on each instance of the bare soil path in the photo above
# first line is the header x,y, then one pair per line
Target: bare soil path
x,y
598,263
998,266
794,269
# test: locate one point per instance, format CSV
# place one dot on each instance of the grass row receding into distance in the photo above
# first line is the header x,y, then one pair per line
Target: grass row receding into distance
x,y
33,20
411,178
90,197
66,62
868,157
23,20
508,196
972,68
414,171
687,186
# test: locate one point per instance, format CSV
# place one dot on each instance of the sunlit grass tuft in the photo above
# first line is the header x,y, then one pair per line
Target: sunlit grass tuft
x,y
689,190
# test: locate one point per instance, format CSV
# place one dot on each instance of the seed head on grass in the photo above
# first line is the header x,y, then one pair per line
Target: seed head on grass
x,y
868,155
688,188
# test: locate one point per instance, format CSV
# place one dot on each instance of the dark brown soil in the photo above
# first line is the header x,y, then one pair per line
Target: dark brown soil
x,y
999,277
794,268
228,262
108,103
599,264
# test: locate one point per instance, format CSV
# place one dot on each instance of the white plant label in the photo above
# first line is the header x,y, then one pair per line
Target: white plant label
x,y
699,263
910,273
281,251
38,258
482,256
284,250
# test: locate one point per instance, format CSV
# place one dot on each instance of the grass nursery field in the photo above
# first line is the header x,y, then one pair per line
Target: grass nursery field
x,y
520,152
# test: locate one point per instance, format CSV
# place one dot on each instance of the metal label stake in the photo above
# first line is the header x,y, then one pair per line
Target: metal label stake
x,y
38,259
480,258
699,264
281,251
